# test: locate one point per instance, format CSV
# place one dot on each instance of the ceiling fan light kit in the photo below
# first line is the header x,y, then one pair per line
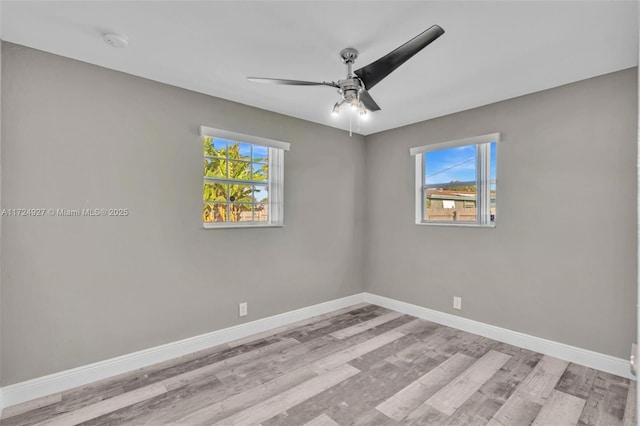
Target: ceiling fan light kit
x,y
354,89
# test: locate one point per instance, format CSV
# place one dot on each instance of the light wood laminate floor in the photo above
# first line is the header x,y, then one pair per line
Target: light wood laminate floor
x,y
363,365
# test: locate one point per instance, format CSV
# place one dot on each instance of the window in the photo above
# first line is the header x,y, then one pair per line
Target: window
x,y
456,182
243,180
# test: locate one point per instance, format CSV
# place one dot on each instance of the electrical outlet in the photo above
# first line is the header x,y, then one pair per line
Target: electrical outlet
x,y
457,302
242,309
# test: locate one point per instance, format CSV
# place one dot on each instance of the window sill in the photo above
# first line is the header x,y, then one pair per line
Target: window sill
x,y
457,225
236,226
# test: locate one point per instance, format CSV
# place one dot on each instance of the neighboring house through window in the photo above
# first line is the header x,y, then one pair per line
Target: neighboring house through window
x,y
243,180
456,182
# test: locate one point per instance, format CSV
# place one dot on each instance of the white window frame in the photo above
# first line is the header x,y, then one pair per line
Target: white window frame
x,y
275,181
483,179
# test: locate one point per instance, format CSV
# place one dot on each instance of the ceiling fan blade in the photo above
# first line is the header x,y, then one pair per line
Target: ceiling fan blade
x,y
291,82
368,101
373,73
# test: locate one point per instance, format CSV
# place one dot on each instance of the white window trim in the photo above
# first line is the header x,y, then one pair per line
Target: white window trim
x,y
491,137
482,175
241,137
276,177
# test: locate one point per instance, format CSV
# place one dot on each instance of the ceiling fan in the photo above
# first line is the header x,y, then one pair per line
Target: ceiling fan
x,y
355,88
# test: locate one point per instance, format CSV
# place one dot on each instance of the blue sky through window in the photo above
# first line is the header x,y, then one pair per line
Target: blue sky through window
x,y
455,164
245,151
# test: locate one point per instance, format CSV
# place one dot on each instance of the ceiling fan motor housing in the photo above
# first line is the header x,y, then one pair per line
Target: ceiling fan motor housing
x,y
350,88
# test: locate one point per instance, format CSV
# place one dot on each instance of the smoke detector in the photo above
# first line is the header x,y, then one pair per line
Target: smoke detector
x,y
116,40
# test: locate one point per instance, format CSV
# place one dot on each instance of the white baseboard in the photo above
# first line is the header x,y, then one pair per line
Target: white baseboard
x,y
68,379
607,363
65,380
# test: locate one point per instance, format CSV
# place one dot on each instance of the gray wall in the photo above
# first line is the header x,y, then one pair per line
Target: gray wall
x,y
79,290
561,262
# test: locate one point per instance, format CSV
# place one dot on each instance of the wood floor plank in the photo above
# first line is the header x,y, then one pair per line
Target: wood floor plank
x,y
107,406
252,373
278,363
485,403
212,369
518,410
423,348
440,343
606,402
346,355
350,400
374,418
527,400
126,382
269,361
425,415
163,408
477,411
195,389
418,325
408,399
242,400
378,356
359,328
104,389
34,404
456,392
92,393
306,354
289,398
543,378
478,346
561,409
317,322
630,417
322,420
577,380
341,321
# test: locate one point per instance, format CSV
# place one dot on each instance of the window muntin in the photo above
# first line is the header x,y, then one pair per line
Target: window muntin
x,y
243,181
456,182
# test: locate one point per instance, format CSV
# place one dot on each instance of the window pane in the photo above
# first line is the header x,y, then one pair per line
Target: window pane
x,y
260,154
215,192
214,212
240,212
261,212
208,148
260,172
260,194
240,193
450,181
240,151
245,151
239,170
218,148
450,165
454,204
215,167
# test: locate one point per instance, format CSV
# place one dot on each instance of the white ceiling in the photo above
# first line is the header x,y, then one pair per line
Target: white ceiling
x,y
490,50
